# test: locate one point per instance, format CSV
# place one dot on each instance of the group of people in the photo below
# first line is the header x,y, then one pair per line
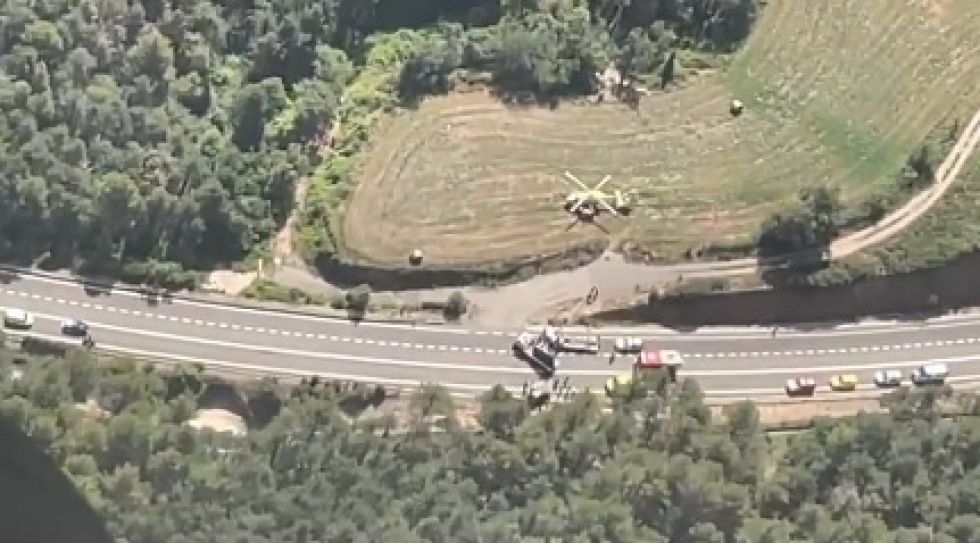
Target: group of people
x,y
560,390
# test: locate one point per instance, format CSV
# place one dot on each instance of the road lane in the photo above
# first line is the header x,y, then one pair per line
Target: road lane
x,y
724,360
56,291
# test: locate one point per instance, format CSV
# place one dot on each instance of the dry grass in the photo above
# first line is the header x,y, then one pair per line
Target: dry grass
x,y
837,91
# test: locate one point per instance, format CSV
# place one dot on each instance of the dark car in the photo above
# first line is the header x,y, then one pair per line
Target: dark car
x,y
74,327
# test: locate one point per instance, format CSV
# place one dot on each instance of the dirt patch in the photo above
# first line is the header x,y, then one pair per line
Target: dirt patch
x,y
228,281
218,420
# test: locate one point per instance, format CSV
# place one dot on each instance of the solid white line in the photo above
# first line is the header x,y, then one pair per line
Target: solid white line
x,y
150,356
307,354
30,275
519,369
752,332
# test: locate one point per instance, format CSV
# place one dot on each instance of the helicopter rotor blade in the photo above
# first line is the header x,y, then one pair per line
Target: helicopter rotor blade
x,y
573,179
601,183
577,205
608,207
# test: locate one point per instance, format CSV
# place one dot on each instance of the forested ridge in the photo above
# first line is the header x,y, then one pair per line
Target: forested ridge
x,y
315,466
144,137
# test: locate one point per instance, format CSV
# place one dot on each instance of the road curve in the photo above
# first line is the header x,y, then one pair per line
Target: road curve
x,y
742,362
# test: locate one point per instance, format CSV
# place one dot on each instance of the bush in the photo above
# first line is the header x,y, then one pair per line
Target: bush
x,y
456,306
358,298
264,289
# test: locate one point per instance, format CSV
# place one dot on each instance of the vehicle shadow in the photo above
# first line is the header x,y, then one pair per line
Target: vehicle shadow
x,y
8,277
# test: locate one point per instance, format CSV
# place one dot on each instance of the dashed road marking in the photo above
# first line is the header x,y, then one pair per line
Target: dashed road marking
x,y
495,333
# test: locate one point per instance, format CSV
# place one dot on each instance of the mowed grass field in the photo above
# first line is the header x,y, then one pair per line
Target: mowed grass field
x,y
837,91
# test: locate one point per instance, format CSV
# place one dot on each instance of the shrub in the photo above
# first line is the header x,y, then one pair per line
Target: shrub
x,y
456,306
358,298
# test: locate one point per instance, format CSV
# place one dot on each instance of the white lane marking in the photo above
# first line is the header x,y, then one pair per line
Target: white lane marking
x,y
707,335
516,369
386,380
150,355
32,275
47,298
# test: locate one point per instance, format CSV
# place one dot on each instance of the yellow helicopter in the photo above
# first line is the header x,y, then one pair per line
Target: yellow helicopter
x,y
587,203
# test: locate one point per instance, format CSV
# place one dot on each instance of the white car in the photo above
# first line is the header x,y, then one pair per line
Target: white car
x,y
18,318
888,378
628,345
801,386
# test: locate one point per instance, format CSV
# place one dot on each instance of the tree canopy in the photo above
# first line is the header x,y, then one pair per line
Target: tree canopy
x,y
147,137
319,464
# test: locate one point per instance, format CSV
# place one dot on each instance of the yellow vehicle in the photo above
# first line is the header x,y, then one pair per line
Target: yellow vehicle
x,y
619,382
843,382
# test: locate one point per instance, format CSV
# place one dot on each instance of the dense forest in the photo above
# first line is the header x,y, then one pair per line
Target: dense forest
x,y
318,463
144,137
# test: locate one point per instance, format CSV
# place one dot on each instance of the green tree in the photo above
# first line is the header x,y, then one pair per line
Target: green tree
x,y
358,298
456,306
810,225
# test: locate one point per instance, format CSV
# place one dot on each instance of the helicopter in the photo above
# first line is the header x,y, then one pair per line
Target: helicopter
x,y
588,203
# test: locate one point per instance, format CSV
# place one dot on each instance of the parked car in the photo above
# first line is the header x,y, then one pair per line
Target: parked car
x,y
801,386
618,383
930,374
74,327
18,318
843,382
628,345
888,378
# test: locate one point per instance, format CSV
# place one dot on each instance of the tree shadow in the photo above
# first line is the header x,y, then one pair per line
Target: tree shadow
x,y
94,291
515,98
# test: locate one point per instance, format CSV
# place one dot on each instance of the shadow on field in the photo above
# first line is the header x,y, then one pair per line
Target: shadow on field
x,y
348,274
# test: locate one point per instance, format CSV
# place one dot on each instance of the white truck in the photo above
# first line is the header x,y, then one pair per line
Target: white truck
x,y
930,374
579,344
628,345
17,318
538,350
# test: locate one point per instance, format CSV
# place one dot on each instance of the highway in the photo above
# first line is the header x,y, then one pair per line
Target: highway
x,y
728,362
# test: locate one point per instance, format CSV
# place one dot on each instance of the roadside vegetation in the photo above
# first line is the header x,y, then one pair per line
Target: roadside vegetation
x,y
323,462
144,139
945,233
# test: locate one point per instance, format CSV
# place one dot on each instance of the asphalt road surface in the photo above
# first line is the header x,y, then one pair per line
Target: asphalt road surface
x,y
728,362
